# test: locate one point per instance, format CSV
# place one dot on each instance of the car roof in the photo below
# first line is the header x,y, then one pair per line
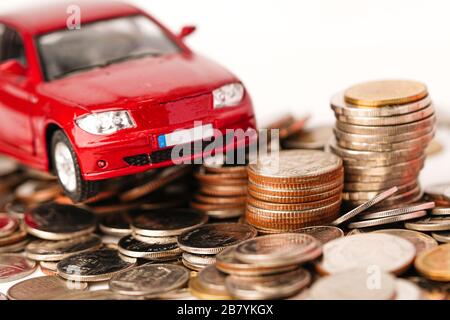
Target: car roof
x,y
44,18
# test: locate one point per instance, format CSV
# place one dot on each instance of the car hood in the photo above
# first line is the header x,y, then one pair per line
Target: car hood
x,y
158,79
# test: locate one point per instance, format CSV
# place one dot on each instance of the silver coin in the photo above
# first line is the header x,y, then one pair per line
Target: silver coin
x,y
163,223
387,252
421,241
430,224
44,288
355,284
149,280
268,287
387,220
199,259
98,265
213,279
213,238
443,236
391,171
117,225
45,250
279,249
15,266
388,121
340,106
154,240
365,206
395,210
132,247
52,221
322,233
440,211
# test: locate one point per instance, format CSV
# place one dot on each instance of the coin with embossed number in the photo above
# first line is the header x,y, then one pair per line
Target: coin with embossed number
x,y
322,233
45,250
98,265
171,222
52,221
149,280
354,284
44,288
213,238
390,253
15,266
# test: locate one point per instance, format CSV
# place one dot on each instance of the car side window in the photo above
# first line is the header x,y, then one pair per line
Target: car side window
x,y
11,45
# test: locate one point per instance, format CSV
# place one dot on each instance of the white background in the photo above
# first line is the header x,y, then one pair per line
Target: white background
x,y
293,55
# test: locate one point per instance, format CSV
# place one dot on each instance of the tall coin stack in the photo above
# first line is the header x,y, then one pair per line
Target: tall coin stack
x,y
300,188
381,133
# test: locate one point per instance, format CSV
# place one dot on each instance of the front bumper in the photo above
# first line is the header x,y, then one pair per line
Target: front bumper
x,y
135,152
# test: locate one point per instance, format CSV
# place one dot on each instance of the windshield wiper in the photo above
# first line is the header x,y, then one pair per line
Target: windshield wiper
x,y
108,62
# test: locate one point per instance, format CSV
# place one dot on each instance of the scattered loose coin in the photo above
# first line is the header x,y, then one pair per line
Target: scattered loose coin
x,y
149,280
116,224
45,250
268,287
421,241
430,224
15,266
322,233
213,238
98,265
353,285
435,263
407,290
443,236
365,206
163,223
387,220
387,252
199,259
396,210
132,247
441,211
8,224
44,288
53,221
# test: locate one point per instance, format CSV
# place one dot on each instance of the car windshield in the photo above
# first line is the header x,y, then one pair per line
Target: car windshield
x,y
100,44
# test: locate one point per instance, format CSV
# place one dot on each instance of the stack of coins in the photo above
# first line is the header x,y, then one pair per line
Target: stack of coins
x,y
222,190
200,245
381,132
300,188
63,230
154,233
266,267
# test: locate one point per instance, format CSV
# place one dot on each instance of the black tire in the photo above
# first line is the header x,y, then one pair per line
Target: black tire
x,y
84,189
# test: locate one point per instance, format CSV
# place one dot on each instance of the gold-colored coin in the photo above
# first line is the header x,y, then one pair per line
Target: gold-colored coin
x,y
435,263
384,93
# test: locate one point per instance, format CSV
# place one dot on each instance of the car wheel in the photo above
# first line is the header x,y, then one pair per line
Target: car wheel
x,y
67,168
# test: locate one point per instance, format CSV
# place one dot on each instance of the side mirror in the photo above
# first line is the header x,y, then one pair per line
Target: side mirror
x,y
186,31
13,67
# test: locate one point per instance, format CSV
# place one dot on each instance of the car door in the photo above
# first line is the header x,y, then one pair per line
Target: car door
x,y
15,100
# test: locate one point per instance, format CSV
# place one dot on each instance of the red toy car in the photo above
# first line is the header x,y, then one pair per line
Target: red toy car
x,y
104,100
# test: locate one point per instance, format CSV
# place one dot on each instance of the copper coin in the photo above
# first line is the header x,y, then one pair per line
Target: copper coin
x,y
15,266
224,190
163,223
16,237
220,200
292,206
291,192
53,221
286,198
209,206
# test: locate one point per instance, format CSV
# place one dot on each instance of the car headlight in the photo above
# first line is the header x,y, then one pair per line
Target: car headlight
x,y
108,122
229,95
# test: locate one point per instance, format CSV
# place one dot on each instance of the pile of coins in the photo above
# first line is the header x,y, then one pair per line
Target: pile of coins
x,y
202,244
266,267
382,130
222,190
300,188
